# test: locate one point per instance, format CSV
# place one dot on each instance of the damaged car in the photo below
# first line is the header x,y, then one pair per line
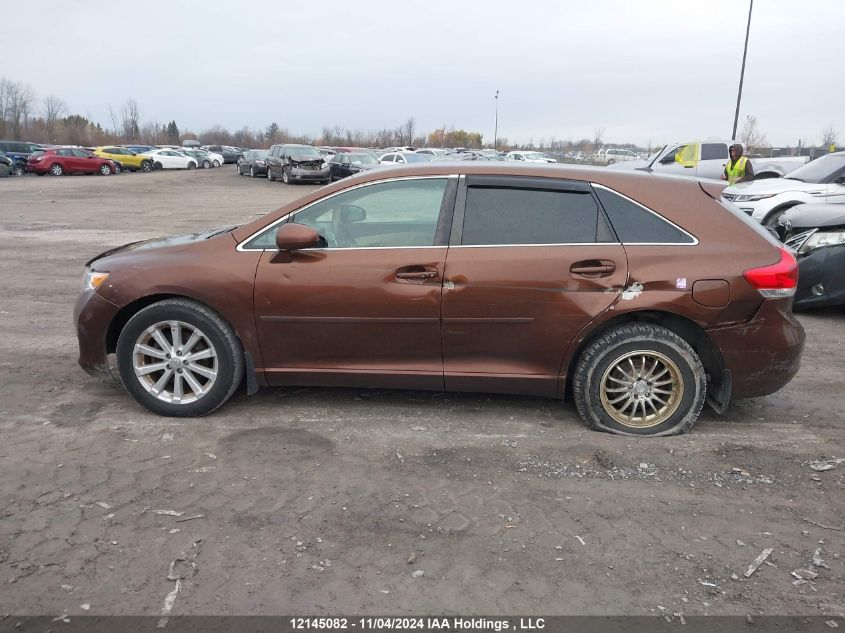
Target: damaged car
x,y
639,297
816,234
292,163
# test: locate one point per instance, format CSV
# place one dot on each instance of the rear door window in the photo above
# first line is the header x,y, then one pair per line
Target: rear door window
x,y
500,215
714,151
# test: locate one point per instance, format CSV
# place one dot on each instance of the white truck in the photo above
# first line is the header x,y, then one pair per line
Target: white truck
x,y
706,159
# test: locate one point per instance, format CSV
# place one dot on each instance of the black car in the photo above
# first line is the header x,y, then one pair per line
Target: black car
x,y
345,164
19,152
5,165
230,154
816,233
253,162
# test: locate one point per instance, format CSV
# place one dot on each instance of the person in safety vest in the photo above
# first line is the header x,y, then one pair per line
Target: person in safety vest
x,y
738,168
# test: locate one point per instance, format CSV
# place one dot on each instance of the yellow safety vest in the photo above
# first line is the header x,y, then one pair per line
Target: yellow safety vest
x,y
737,171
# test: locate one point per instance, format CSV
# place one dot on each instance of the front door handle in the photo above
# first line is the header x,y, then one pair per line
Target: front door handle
x,y
593,268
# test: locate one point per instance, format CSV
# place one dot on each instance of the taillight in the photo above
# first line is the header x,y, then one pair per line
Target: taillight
x,y
776,280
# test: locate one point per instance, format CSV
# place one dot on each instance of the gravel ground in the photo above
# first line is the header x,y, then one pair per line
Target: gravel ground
x,y
313,501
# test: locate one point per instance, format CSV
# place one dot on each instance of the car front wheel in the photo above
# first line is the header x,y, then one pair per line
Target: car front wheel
x,y
105,170
285,176
18,169
639,379
146,166
179,358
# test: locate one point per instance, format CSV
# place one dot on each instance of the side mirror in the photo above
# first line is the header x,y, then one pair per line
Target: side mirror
x,y
293,237
352,213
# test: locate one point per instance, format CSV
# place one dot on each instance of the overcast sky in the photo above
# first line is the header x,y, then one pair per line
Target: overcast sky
x,y
646,71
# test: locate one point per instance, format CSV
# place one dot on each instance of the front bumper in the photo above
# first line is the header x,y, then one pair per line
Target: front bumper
x,y
300,173
824,270
764,354
93,315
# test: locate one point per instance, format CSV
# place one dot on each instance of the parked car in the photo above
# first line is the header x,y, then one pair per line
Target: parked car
x,y
18,152
171,159
816,233
292,163
612,287
529,157
125,158
5,165
342,164
707,160
204,159
434,152
822,180
611,156
254,163
355,150
403,158
58,161
229,154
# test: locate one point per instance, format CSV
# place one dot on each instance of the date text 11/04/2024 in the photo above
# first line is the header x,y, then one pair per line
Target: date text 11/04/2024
x,y
418,624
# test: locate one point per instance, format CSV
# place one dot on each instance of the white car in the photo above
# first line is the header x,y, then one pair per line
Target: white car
x,y
171,159
402,158
822,180
611,156
529,157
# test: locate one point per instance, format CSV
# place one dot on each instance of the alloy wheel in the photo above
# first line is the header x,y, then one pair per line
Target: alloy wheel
x,y
641,389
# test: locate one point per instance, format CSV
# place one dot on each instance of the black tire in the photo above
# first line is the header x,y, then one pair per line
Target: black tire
x,y
18,169
158,166
56,170
286,176
192,165
598,360
270,174
217,333
215,163
105,170
146,166
206,164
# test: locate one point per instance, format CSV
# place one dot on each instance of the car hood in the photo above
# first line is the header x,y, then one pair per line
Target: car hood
x,y
811,216
773,186
163,242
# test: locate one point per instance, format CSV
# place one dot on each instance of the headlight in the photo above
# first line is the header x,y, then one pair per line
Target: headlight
x,y
92,279
820,239
754,197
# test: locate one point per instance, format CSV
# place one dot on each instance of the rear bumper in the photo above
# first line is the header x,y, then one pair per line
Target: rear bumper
x,y
821,269
93,315
764,354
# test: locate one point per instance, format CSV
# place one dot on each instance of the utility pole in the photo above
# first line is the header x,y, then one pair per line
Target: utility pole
x,y
742,72
496,127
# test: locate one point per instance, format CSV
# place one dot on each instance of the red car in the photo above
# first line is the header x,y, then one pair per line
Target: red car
x,y
68,160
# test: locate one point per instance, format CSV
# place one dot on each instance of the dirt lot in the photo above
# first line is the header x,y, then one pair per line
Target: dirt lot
x,y
325,501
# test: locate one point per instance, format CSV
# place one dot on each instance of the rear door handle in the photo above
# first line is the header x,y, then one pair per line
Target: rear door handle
x,y
416,273
593,268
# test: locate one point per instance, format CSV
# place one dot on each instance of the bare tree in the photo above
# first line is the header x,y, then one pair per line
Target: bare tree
x,y
130,119
16,102
751,136
598,137
829,136
54,109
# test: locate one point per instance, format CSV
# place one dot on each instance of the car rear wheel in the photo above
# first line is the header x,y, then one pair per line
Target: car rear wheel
x,y
639,379
206,164
157,166
56,169
105,170
179,358
192,165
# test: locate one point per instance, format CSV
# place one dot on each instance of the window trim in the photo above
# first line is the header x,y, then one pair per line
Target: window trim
x,y
447,208
695,241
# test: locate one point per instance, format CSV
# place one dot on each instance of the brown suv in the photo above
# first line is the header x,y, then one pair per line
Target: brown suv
x,y
640,295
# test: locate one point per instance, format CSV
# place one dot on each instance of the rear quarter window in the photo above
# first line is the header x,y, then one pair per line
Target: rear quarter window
x,y
635,224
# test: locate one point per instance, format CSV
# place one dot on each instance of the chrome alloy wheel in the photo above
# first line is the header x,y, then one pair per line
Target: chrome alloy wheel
x,y
175,362
641,389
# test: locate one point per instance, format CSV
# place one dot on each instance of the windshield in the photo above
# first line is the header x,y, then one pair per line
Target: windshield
x,y
260,153
365,159
818,170
304,153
